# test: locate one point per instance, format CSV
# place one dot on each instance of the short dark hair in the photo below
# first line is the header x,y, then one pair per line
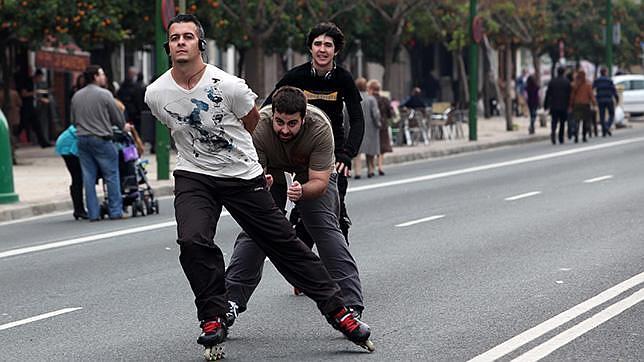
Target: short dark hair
x,y
90,72
187,18
561,71
603,71
289,100
329,29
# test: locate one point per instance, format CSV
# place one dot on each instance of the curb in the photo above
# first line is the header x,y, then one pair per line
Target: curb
x,y
32,210
392,158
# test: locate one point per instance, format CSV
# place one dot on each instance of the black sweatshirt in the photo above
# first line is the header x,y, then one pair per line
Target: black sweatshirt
x,y
328,93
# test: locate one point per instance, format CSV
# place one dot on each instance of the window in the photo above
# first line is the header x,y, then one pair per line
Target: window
x,y
637,85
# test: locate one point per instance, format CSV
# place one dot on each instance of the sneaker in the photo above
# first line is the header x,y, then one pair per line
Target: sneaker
x,y
213,332
231,314
297,291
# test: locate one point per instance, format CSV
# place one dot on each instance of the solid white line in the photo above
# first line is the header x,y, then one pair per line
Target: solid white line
x,y
522,196
86,239
38,317
570,334
435,217
495,165
597,179
558,320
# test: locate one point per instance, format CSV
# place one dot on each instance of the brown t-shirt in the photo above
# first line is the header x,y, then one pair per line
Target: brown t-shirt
x,y
312,148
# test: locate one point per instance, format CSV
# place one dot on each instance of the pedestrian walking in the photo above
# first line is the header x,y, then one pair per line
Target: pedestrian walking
x,y
581,100
329,87
211,115
605,93
557,100
532,89
29,120
386,114
370,146
295,138
131,94
67,148
11,108
94,112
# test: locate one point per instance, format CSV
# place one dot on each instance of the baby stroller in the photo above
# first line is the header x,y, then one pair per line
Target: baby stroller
x,y
136,191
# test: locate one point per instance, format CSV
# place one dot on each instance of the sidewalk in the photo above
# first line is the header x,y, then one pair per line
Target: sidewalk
x,y
42,181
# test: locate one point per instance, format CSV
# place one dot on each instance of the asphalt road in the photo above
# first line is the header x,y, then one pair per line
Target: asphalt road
x,y
525,252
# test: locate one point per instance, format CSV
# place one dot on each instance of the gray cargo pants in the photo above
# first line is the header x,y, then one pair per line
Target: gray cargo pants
x,y
320,218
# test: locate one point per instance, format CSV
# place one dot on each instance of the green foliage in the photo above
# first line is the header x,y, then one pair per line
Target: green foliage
x,y
87,23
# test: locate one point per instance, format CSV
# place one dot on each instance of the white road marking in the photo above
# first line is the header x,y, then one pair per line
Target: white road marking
x,y
495,165
86,239
597,179
414,222
38,317
558,320
570,334
522,196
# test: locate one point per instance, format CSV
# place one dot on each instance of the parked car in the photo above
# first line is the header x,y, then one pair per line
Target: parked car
x,y
631,87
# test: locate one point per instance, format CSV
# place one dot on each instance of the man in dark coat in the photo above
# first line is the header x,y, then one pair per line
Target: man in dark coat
x,y
557,98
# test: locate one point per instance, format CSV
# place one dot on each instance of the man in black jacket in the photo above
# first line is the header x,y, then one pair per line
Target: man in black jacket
x,y
328,86
557,97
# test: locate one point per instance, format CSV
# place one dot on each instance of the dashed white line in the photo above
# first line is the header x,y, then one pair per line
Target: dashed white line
x,y
558,320
38,317
597,179
492,166
570,334
522,196
409,223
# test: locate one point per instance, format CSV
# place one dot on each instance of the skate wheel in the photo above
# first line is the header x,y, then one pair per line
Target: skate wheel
x,y
214,353
368,345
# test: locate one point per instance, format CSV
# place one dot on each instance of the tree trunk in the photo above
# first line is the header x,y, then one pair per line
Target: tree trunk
x,y
462,75
254,69
536,63
389,60
507,95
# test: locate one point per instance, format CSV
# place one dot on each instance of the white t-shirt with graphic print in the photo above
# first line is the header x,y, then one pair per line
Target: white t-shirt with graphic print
x,y
205,123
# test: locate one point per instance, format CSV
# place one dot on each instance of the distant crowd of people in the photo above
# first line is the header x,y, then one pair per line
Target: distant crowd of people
x,y
571,99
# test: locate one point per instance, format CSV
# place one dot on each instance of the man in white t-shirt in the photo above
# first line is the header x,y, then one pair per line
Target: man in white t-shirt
x,y
211,115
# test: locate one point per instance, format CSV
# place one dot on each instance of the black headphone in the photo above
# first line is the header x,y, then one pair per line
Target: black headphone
x,y
202,42
327,75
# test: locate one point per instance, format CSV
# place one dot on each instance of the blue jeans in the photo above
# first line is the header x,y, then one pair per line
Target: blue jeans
x,y
603,107
96,155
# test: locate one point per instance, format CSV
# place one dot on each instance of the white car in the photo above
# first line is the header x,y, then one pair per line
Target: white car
x,y
631,89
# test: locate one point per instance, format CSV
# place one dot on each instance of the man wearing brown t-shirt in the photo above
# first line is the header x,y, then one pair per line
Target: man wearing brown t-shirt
x,y
294,137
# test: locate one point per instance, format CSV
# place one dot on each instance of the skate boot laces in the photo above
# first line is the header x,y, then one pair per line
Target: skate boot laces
x,y
347,321
210,327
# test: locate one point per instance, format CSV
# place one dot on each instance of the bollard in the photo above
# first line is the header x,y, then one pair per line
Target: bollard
x,y
7,194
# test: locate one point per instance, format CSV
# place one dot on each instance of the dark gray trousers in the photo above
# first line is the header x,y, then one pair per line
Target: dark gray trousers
x,y
320,218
